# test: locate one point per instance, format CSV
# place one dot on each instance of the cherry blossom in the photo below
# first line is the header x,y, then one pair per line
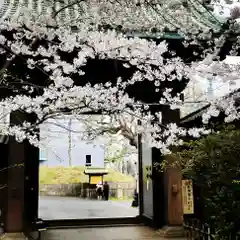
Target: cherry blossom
x,y
62,95
129,15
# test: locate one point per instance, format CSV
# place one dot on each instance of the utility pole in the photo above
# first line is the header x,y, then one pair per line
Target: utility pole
x,y
210,90
70,142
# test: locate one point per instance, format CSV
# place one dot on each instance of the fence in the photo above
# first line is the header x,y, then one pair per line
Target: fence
x,y
195,230
196,227
116,190
113,193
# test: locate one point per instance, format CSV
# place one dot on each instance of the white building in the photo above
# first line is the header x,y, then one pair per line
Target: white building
x,y
60,147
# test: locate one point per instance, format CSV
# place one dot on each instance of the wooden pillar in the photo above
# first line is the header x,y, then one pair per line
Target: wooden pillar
x,y
174,197
3,179
173,227
172,182
31,190
15,185
14,225
16,212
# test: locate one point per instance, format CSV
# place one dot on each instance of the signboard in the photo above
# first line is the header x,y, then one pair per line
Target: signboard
x,y
187,197
236,184
95,179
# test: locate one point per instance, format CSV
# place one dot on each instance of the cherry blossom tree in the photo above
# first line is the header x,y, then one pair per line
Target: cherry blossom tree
x,y
113,125
200,15
118,153
43,70
61,95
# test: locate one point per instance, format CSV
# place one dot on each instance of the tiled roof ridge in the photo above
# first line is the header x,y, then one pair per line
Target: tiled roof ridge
x,y
12,8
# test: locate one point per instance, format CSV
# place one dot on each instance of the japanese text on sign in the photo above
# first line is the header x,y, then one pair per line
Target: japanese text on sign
x,y
187,197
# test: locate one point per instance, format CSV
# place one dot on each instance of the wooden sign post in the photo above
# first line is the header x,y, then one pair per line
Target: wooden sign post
x,y
187,197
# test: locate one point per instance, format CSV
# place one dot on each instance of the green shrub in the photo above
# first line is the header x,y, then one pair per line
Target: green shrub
x,y
213,163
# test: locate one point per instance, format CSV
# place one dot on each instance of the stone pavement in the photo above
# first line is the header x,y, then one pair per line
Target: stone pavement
x,y
56,208
102,233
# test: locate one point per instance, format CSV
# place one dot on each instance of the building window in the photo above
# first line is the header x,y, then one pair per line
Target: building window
x,y
88,160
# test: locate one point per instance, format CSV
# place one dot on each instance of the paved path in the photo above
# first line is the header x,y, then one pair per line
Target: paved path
x,y
56,208
103,233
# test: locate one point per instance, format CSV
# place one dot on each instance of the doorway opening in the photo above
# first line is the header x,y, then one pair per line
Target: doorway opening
x,y
78,159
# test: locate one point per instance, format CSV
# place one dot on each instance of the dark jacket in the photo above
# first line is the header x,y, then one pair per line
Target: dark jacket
x,y
105,188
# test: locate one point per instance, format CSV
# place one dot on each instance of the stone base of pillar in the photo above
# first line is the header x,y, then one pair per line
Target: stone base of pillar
x,y
13,236
171,232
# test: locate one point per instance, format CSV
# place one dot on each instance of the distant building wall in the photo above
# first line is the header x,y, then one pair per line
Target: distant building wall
x,y
58,156
55,146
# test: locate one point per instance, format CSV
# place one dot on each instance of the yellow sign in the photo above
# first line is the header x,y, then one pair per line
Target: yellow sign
x,y
95,179
187,197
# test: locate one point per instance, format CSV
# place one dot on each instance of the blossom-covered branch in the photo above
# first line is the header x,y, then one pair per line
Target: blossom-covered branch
x,y
56,59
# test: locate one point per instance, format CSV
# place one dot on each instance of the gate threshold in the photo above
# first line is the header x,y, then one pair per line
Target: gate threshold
x,y
94,222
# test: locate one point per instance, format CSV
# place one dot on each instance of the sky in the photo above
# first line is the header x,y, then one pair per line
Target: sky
x,y
223,10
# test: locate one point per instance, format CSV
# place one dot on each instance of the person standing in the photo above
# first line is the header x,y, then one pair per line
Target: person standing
x,y
99,191
106,191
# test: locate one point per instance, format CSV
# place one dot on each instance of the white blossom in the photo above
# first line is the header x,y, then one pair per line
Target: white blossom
x,y
145,56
